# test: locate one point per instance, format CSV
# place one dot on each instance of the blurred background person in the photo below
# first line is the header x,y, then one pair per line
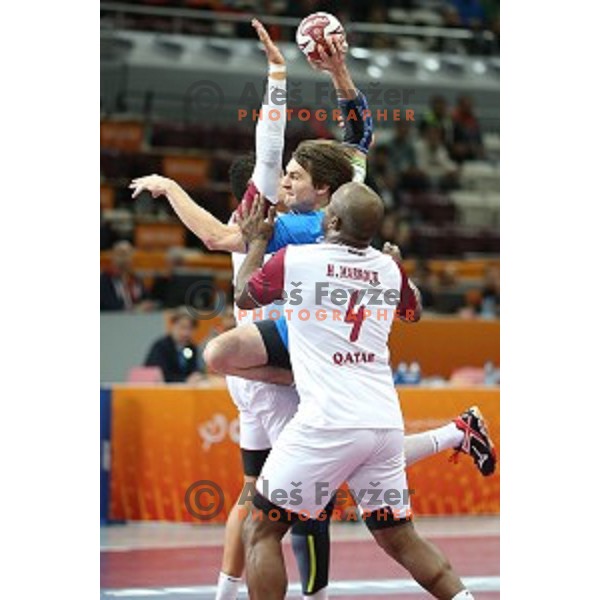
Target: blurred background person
x,y
387,232
433,160
427,282
120,288
467,143
403,158
490,294
161,288
381,175
176,354
437,115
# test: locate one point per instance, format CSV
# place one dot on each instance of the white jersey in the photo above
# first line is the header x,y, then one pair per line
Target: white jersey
x,y
264,408
340,308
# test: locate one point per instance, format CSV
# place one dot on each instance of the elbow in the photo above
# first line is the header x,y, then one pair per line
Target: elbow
x,y
212,243
224,243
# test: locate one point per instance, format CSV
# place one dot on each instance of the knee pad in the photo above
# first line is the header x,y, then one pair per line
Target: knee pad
x,y
311,545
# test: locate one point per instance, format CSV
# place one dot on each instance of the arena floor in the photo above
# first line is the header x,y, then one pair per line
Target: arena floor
x,y
171,561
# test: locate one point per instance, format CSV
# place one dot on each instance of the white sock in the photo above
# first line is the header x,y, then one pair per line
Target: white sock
x,y
227,587
464,595
447,437
428,443
320,595
417,447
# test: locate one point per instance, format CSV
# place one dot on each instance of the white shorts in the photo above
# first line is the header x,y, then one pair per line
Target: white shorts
x,y
308,464
265,409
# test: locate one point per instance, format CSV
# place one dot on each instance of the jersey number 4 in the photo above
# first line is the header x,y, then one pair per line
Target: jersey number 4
x,y
355,316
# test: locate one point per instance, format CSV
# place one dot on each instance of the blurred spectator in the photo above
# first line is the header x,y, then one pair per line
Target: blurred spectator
x,y
227,323
378,15
107,234
403,158
303,8
434,161
437,115
470,12
427,282
480,44
120,287
404,238
467,144
387,232
160,292
449,297
175,354
380,175
473,14
451,19
490,294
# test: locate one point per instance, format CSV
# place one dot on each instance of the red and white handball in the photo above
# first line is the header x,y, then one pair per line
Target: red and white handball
x,y
314,29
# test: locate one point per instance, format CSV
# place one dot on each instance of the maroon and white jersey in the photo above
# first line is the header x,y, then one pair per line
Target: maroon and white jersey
x,y
340,305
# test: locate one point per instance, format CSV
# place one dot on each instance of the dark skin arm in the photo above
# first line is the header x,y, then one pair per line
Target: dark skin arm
x,y
256,233
395,253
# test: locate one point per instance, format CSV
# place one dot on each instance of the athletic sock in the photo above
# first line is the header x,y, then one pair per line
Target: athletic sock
x,y
464,595
418,446
320,595
447,437
227,587
428,443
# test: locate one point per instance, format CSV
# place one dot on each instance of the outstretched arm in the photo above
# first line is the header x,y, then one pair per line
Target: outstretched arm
x,y
214,234
269,151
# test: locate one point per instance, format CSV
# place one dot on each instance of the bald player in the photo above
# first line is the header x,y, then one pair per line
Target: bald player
x,y
349,426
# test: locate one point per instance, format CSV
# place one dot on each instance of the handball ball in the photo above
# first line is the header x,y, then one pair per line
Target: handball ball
x,y
313,30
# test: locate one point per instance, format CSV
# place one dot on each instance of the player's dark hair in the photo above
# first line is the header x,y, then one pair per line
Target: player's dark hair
x,y
328,163
240,173
182,313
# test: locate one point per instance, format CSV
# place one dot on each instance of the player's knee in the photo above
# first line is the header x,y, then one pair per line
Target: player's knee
x,y
256,529
395,541
215,356
249,531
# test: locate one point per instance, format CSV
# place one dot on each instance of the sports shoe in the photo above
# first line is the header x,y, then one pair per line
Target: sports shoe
x,y
477,441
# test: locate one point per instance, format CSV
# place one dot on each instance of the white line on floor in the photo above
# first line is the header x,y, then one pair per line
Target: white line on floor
x,y
336,588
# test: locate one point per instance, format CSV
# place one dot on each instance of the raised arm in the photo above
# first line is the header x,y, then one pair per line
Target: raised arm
x,y
356,116
214,234
270,129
